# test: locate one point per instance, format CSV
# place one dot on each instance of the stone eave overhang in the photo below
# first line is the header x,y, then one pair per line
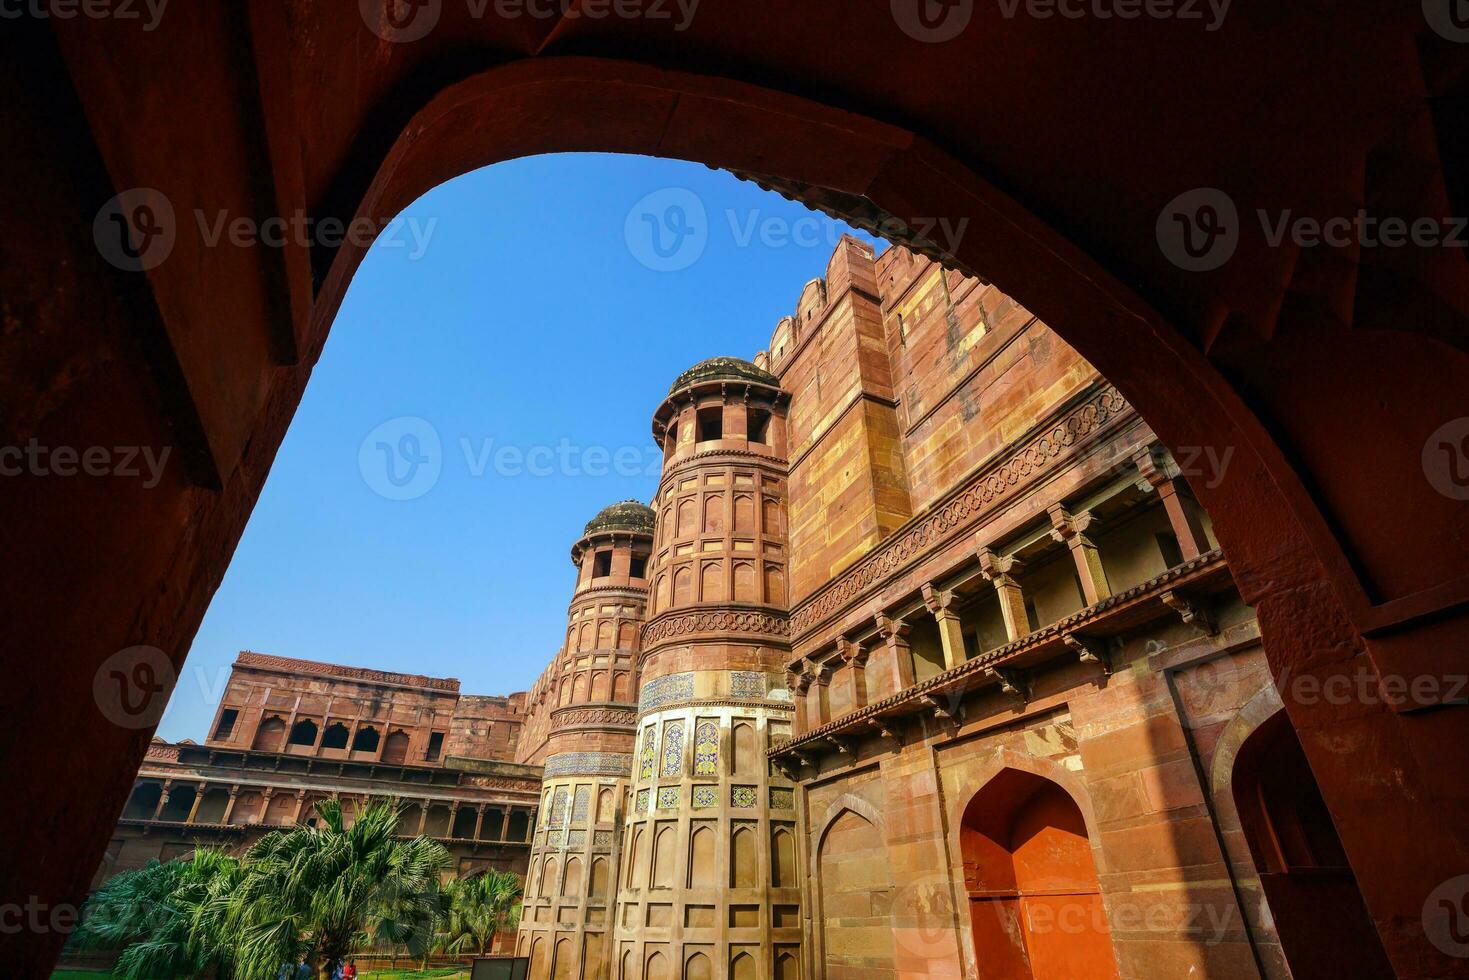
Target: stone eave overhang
x,y
608,534
724,388
1173,593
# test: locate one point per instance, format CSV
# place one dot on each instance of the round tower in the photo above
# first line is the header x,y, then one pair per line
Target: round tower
x,y
588,713
710,866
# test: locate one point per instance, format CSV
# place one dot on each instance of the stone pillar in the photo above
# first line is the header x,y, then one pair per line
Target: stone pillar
x,y
453,816
798,683
506,811
1070,529
479,820
422,816
854,655
898,669
198,798
229,808
162,798
1000,570
1183,511
818,697
941,604
300,805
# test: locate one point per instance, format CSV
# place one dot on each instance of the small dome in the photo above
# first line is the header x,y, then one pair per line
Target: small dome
x,y
627,515
724,369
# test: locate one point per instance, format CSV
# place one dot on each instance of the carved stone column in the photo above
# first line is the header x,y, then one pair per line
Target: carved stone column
x,y
422,816
300,806
479,820
818,697
798,682
1183,511
162,799
453,816
941,604
198,798
898,670
1001,571
855,658
229,808
1070,529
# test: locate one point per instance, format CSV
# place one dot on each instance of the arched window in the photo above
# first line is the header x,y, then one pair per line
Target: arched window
x,y
335,736
303,732
1319,915
270,735
365,740
395,747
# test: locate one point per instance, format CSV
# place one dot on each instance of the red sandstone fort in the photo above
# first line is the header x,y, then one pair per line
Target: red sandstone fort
x,y
924,655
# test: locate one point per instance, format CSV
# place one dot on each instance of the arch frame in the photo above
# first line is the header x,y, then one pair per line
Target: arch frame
x,y
815,898
998,761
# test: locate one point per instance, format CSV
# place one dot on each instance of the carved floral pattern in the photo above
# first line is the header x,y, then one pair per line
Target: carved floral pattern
x,y
727,621
963,507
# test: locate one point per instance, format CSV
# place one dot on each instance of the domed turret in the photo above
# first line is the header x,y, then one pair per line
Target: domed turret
x,y
723,369
723,402
625,515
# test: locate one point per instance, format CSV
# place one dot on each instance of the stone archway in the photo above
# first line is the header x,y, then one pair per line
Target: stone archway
x,y
1035,902
852,886
1315,905
1325,421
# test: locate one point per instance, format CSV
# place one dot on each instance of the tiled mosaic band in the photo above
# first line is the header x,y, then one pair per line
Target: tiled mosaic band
x,y
589,764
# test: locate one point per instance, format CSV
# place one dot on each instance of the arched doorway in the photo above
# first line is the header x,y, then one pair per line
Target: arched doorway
x,y
1319,915
855,882
1035,905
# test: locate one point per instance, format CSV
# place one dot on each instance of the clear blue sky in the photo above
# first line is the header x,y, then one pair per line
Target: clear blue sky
x,y
525,305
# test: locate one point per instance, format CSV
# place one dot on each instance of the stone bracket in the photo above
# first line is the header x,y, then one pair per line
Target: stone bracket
x,y
1013,681
880,726
1089,650
1192,611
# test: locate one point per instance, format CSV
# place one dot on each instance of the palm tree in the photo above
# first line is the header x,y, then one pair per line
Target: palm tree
x,y
150,915
323,888
477,909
